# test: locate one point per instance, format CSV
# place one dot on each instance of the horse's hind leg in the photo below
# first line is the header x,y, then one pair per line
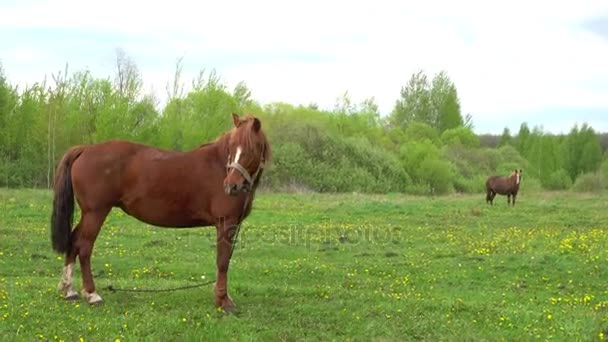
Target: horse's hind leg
x,y
65,285
85,239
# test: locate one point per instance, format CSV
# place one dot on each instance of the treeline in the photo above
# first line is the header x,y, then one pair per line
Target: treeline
x,y
425,146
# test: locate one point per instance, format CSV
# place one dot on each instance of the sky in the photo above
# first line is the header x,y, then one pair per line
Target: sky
x,y
542,62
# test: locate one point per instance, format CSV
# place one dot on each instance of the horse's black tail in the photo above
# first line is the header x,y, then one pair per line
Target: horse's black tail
x,y
63,202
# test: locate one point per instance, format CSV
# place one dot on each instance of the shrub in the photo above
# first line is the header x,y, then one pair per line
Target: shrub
x,y
530,184
604,172
589,182
463,136
436,175
306,155
558,180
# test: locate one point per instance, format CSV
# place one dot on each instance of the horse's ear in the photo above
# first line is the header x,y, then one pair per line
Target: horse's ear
x,y
236,119
257,124
520,170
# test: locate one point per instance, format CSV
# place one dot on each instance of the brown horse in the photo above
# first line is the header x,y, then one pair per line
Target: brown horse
x,y
504,186
213,184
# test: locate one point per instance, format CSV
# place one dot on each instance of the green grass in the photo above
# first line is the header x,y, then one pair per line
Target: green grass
x,y
328,267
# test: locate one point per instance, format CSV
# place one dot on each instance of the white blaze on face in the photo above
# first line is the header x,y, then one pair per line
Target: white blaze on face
x,y
517,179
237,156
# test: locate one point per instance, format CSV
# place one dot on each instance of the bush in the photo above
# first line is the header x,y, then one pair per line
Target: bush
x,y
604,172
589,182
530,184
509,155
437,176
463,136
474,184
306,155
558,180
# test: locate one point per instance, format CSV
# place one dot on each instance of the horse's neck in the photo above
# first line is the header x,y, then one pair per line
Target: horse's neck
x,y
513,181
217,150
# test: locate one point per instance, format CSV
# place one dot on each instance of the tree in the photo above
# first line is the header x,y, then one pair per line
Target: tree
x,y
419,131
445,103
460,136
435,103
522,137
128,78
414,105
8,103
505,138
242,95
583,151
176,89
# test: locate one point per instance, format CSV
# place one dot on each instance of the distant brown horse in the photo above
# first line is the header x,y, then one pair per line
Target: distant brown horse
x,y
504,186
213,184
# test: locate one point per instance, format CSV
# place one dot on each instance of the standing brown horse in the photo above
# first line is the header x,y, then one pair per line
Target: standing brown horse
x,y
210,185
503,185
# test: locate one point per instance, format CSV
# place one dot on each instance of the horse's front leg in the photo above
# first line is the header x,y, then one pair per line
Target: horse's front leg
x,y
225,239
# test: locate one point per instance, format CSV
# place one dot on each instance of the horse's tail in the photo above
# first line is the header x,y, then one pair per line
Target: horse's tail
x,y
63,202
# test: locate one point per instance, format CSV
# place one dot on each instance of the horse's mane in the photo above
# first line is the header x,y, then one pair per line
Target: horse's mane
x,y
246,138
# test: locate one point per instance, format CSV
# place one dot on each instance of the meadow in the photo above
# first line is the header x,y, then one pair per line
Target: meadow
x,y
326,267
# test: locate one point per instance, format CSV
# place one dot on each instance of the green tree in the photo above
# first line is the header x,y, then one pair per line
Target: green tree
x,y
505,138
8,103
522,137
460,136
414,104
434,103
419,131
583,151
445,103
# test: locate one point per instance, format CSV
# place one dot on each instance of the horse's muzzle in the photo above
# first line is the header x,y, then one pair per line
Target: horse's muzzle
x,y
234,189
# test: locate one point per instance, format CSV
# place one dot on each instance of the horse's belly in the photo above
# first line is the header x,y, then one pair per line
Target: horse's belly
x,y
159,213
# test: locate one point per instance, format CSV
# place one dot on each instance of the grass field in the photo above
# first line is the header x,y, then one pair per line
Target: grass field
x,y
326,267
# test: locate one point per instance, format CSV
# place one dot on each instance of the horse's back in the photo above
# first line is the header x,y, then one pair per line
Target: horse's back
x,y
161,187
499,185
491,180
102,170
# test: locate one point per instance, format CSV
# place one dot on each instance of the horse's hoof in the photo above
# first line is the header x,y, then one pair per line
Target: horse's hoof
x,y
229,309
225,304
71,295
92,298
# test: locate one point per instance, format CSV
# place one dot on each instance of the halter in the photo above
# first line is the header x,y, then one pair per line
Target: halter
x,y
249,178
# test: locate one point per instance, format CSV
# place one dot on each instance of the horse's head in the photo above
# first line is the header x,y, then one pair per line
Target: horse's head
x,y
519,176
516,175
248,150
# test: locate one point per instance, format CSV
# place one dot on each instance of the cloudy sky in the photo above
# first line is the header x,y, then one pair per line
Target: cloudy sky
x,y
543,62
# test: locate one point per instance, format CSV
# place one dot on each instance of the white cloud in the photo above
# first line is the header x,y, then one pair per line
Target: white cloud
x,y
507,59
